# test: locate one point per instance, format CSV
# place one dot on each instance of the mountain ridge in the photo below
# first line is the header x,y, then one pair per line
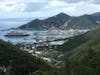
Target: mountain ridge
x,y
55,21
64,21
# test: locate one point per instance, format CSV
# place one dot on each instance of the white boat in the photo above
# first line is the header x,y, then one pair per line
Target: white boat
x,y
16,33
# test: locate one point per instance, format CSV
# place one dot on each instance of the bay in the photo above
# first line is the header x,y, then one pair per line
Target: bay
x,y
12,24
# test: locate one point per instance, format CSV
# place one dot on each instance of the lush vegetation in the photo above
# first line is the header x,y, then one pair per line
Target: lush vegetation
x,y
85,58
21,62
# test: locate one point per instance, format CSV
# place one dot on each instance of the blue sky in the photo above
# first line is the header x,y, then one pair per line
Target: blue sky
x,y
46,8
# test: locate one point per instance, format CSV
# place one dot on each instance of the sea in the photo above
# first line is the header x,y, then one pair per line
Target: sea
x,y
7,24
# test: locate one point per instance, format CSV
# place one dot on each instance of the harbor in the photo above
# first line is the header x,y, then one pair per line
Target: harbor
x,y
40,39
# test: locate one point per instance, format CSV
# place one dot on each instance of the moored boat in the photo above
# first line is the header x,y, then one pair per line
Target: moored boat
x,y
16,33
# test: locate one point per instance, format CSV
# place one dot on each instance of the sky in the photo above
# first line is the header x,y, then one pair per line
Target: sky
x,y
46,8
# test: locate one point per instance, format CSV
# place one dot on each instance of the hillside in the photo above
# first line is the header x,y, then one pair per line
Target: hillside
x,y
54,21
64,21
76,41
96,14
83,58
18,62
83,22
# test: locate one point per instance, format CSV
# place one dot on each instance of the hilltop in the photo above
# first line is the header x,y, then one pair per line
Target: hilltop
x,y
64,21
54,21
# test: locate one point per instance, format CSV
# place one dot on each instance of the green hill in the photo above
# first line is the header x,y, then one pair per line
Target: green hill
x,y
83,58
64,21
54,21
83,22
21,62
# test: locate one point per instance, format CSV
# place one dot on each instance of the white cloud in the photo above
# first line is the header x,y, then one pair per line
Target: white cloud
x,y
81,8
44,8
76,1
